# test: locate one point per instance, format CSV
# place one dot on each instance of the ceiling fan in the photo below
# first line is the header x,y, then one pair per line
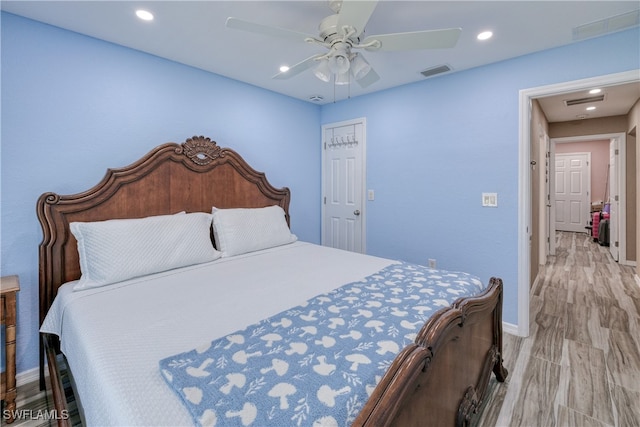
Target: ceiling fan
x,y
342,33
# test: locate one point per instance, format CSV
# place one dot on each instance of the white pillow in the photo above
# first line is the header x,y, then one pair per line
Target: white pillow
x,y
119,249
238,231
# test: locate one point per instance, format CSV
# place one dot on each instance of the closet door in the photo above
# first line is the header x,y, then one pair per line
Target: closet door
x,y
343,182
572,172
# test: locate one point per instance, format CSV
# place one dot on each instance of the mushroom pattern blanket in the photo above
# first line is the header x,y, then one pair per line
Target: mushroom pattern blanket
x,y
317,363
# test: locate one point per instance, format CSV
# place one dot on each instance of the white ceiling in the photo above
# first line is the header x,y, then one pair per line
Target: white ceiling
x,y
194,33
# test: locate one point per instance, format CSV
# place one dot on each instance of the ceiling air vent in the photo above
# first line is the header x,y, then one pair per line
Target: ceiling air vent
x,y
607,25
429,72
587,100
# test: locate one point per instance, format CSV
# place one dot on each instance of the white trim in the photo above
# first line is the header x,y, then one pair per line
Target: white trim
x,y
510,328
29,376
637,277
524,213
524,185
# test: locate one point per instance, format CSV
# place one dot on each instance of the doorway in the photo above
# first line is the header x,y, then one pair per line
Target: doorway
x,y
525,229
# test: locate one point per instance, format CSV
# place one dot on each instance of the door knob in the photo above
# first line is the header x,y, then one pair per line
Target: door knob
x,y
356,212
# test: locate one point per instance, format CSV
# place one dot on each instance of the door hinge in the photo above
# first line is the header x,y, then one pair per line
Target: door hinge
x,y
325,145
325,200
617,152
616,198
616,244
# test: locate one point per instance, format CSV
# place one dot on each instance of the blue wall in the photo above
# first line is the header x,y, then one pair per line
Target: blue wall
x,y
435,146
73,106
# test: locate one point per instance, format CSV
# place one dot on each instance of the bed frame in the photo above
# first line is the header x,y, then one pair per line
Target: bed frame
x,y
441,379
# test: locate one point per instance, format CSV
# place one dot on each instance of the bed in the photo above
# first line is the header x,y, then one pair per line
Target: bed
x,y
211,340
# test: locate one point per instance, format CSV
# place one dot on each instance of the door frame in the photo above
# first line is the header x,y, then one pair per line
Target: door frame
x,y
363,152
526,97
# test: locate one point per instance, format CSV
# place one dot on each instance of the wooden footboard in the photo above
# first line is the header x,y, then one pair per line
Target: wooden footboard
x,y
441,379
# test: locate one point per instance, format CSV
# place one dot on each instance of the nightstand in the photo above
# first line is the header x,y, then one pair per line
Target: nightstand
x,y
9,286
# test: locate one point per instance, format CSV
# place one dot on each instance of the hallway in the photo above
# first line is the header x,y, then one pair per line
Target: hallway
x,y
580,366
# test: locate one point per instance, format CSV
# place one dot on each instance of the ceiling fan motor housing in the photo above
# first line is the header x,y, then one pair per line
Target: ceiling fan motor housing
x,y
330,34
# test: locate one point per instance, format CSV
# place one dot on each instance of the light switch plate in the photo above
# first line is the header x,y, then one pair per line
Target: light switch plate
x,y
490,200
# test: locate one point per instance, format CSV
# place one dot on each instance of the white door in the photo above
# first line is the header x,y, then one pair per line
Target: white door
x,y
572,191
343,182
614,199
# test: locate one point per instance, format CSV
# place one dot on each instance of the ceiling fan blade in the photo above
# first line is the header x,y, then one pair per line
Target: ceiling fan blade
x,y
369,79
429,39
355,13
298,68
252,27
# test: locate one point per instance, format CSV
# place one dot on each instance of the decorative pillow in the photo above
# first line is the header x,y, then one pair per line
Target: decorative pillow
x,y
238,231
119,249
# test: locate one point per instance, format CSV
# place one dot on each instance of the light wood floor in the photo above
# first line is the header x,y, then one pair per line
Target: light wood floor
x,y
580,366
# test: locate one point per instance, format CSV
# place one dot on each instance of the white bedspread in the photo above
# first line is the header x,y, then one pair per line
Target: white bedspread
x,y
114,336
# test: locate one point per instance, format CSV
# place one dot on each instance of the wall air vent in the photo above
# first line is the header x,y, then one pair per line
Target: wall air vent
x,y
429,72
587,100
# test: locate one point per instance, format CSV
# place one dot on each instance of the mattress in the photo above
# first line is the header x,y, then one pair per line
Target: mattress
x,y
114,336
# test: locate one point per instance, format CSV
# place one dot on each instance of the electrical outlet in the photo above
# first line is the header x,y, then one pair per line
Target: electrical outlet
x,y
490,200
432,263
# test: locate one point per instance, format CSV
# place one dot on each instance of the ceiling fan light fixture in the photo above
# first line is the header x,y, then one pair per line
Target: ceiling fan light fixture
x,y
339,62
359,67
343,78
322,71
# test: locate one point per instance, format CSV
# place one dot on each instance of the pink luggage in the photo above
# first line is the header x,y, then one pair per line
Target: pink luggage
x,y
595,224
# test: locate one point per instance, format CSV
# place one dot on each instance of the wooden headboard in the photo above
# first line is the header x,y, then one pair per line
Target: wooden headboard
x,y
193,176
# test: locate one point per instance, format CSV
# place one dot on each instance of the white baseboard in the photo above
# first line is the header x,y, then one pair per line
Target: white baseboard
x,y
510,328
28,376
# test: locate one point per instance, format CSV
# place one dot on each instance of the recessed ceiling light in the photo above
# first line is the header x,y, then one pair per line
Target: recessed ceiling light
x,y
591,108
485,35
145,15
594,91
284,68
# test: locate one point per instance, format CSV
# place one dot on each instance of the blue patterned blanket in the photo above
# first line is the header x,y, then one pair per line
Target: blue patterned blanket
x,y
315,364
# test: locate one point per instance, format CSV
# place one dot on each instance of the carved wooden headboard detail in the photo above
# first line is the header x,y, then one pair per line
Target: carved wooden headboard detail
x,y
193,176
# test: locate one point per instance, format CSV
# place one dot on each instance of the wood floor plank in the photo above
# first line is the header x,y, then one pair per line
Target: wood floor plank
x,y
540,384
570,418
588,391
627,406
623,360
